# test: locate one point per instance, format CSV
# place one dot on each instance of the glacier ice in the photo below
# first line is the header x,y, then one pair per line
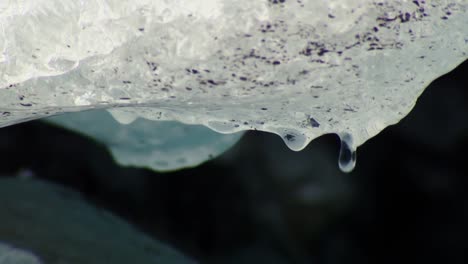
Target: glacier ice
x,y
162,146
57,226
299,69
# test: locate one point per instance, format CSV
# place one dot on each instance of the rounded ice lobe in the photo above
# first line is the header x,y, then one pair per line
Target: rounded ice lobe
x,y
161,146
299,69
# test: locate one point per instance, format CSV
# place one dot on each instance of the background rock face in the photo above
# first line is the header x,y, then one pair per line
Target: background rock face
x,y
10,254
406,198
56,225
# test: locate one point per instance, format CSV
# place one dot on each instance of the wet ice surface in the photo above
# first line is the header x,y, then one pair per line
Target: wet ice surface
x,y
299,69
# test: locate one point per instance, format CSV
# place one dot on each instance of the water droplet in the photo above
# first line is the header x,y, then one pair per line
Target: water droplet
x,y
347,158
294,139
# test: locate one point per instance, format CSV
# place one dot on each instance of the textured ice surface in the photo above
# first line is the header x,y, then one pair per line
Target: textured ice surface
x,y
299,69
162,146
57,226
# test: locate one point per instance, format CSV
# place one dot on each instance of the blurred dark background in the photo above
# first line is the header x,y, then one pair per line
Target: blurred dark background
x,y
407,198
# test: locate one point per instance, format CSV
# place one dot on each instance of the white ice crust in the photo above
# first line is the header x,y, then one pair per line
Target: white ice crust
x,y
299,68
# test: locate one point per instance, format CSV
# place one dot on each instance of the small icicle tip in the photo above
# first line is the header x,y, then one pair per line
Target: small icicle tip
x,y
347,156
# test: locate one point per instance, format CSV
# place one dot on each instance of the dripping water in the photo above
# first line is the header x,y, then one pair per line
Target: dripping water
x,y
347,157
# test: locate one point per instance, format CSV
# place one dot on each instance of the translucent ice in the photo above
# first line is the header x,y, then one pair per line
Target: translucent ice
x,y
162,146
299,69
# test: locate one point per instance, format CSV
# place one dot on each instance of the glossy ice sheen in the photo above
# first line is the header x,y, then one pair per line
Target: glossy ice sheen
x,y
353,66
